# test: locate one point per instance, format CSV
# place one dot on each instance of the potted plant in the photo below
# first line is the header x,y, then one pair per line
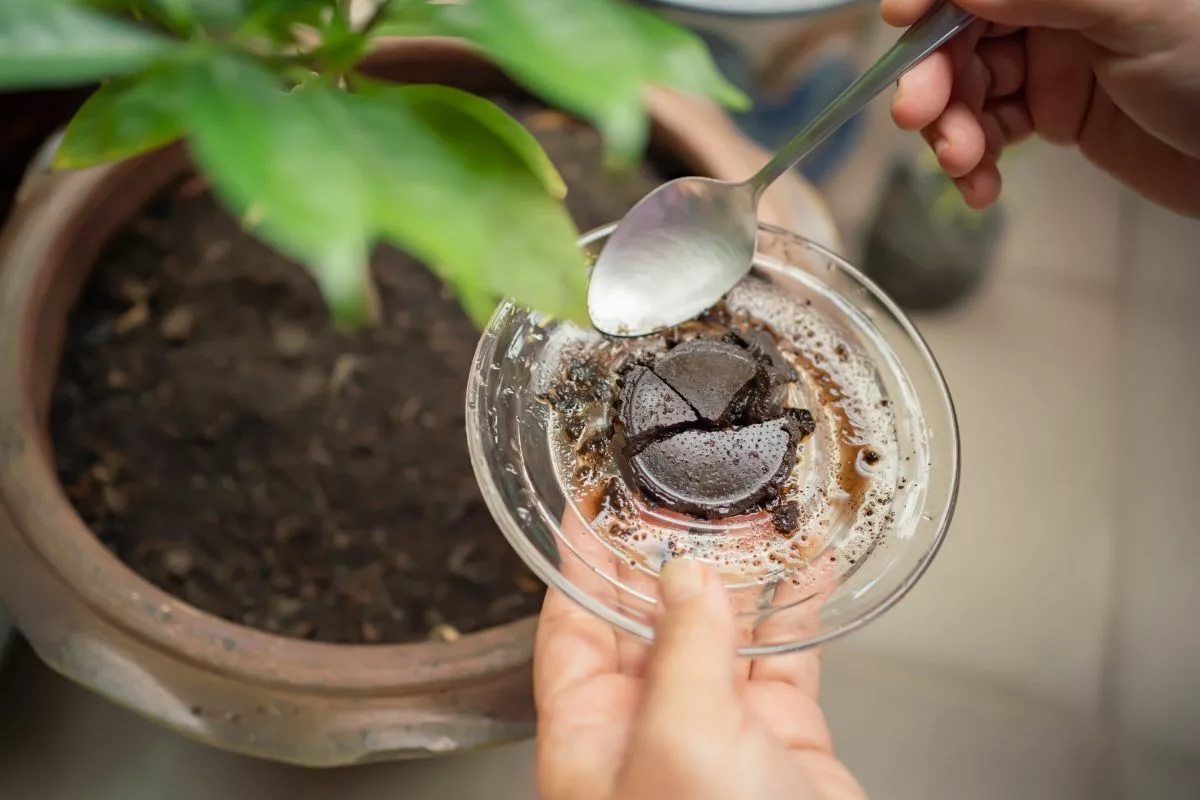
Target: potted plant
x,y
242,505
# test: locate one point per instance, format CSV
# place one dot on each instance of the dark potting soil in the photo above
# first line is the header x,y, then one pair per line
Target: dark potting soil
x,y
228,444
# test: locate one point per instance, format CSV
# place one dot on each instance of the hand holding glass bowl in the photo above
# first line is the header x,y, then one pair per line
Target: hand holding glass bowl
x,y
873,486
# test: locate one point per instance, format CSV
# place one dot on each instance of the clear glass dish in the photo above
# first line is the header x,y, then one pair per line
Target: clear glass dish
x,y
856,552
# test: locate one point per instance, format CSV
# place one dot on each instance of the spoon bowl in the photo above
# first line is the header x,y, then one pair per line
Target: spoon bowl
x,y
688,241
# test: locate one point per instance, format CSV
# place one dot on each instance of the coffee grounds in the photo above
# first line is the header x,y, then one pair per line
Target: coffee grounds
x,y
706,429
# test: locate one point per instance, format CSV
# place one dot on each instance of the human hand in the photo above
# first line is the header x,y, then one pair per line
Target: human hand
x,y
685,718
1115,78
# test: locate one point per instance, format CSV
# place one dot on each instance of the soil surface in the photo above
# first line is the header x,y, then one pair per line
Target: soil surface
x,y
228,444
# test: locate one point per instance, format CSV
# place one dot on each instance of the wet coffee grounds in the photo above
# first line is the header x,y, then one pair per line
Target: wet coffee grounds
x,y
706,430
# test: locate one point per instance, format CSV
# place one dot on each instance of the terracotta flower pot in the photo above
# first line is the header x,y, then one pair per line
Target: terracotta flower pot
x,y
93,619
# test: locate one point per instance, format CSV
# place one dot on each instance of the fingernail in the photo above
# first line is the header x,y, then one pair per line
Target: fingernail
x,y
681,580
940,145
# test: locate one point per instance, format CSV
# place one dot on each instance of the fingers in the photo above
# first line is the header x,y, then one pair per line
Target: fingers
x,y
1004,61
633,652
1069,15
968,143
1112,140
1064,14
746,603
958,139
801,671
1012,117
903,13
796,615
924,92
981,187
573,645
795,720
993,138
995,31
690,677
968,102
1060,83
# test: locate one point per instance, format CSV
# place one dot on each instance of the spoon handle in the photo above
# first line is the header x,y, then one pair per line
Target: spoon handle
x,y
929,33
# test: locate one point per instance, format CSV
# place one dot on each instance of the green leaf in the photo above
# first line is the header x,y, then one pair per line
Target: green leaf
x,y
219,14
276,19
125,117
183,14
594,58
279,161
320,174
407,18
175,13
522,143
57,43
341,46
682,61
461,198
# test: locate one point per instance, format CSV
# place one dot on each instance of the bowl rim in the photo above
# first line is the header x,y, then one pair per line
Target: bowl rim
x,y
553,577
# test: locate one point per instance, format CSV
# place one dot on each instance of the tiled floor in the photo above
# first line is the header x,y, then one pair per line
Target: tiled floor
x,y
1063,604
1156,647
1068,579
1020,592
911,730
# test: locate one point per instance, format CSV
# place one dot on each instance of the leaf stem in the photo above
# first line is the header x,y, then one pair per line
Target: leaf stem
x,y
376,17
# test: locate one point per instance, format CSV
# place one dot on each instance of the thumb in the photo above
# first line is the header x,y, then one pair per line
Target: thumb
x,y
690,675
1065,14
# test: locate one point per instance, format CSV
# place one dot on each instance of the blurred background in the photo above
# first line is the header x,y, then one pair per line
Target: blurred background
x,y
1051,651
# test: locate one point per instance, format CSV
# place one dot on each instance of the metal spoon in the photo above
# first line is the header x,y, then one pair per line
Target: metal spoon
x,y
687,243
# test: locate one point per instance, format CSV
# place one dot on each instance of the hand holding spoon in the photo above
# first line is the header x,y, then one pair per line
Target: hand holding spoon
x,y
687,243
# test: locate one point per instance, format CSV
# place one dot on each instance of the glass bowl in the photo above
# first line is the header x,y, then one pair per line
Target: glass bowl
x,y
856,552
